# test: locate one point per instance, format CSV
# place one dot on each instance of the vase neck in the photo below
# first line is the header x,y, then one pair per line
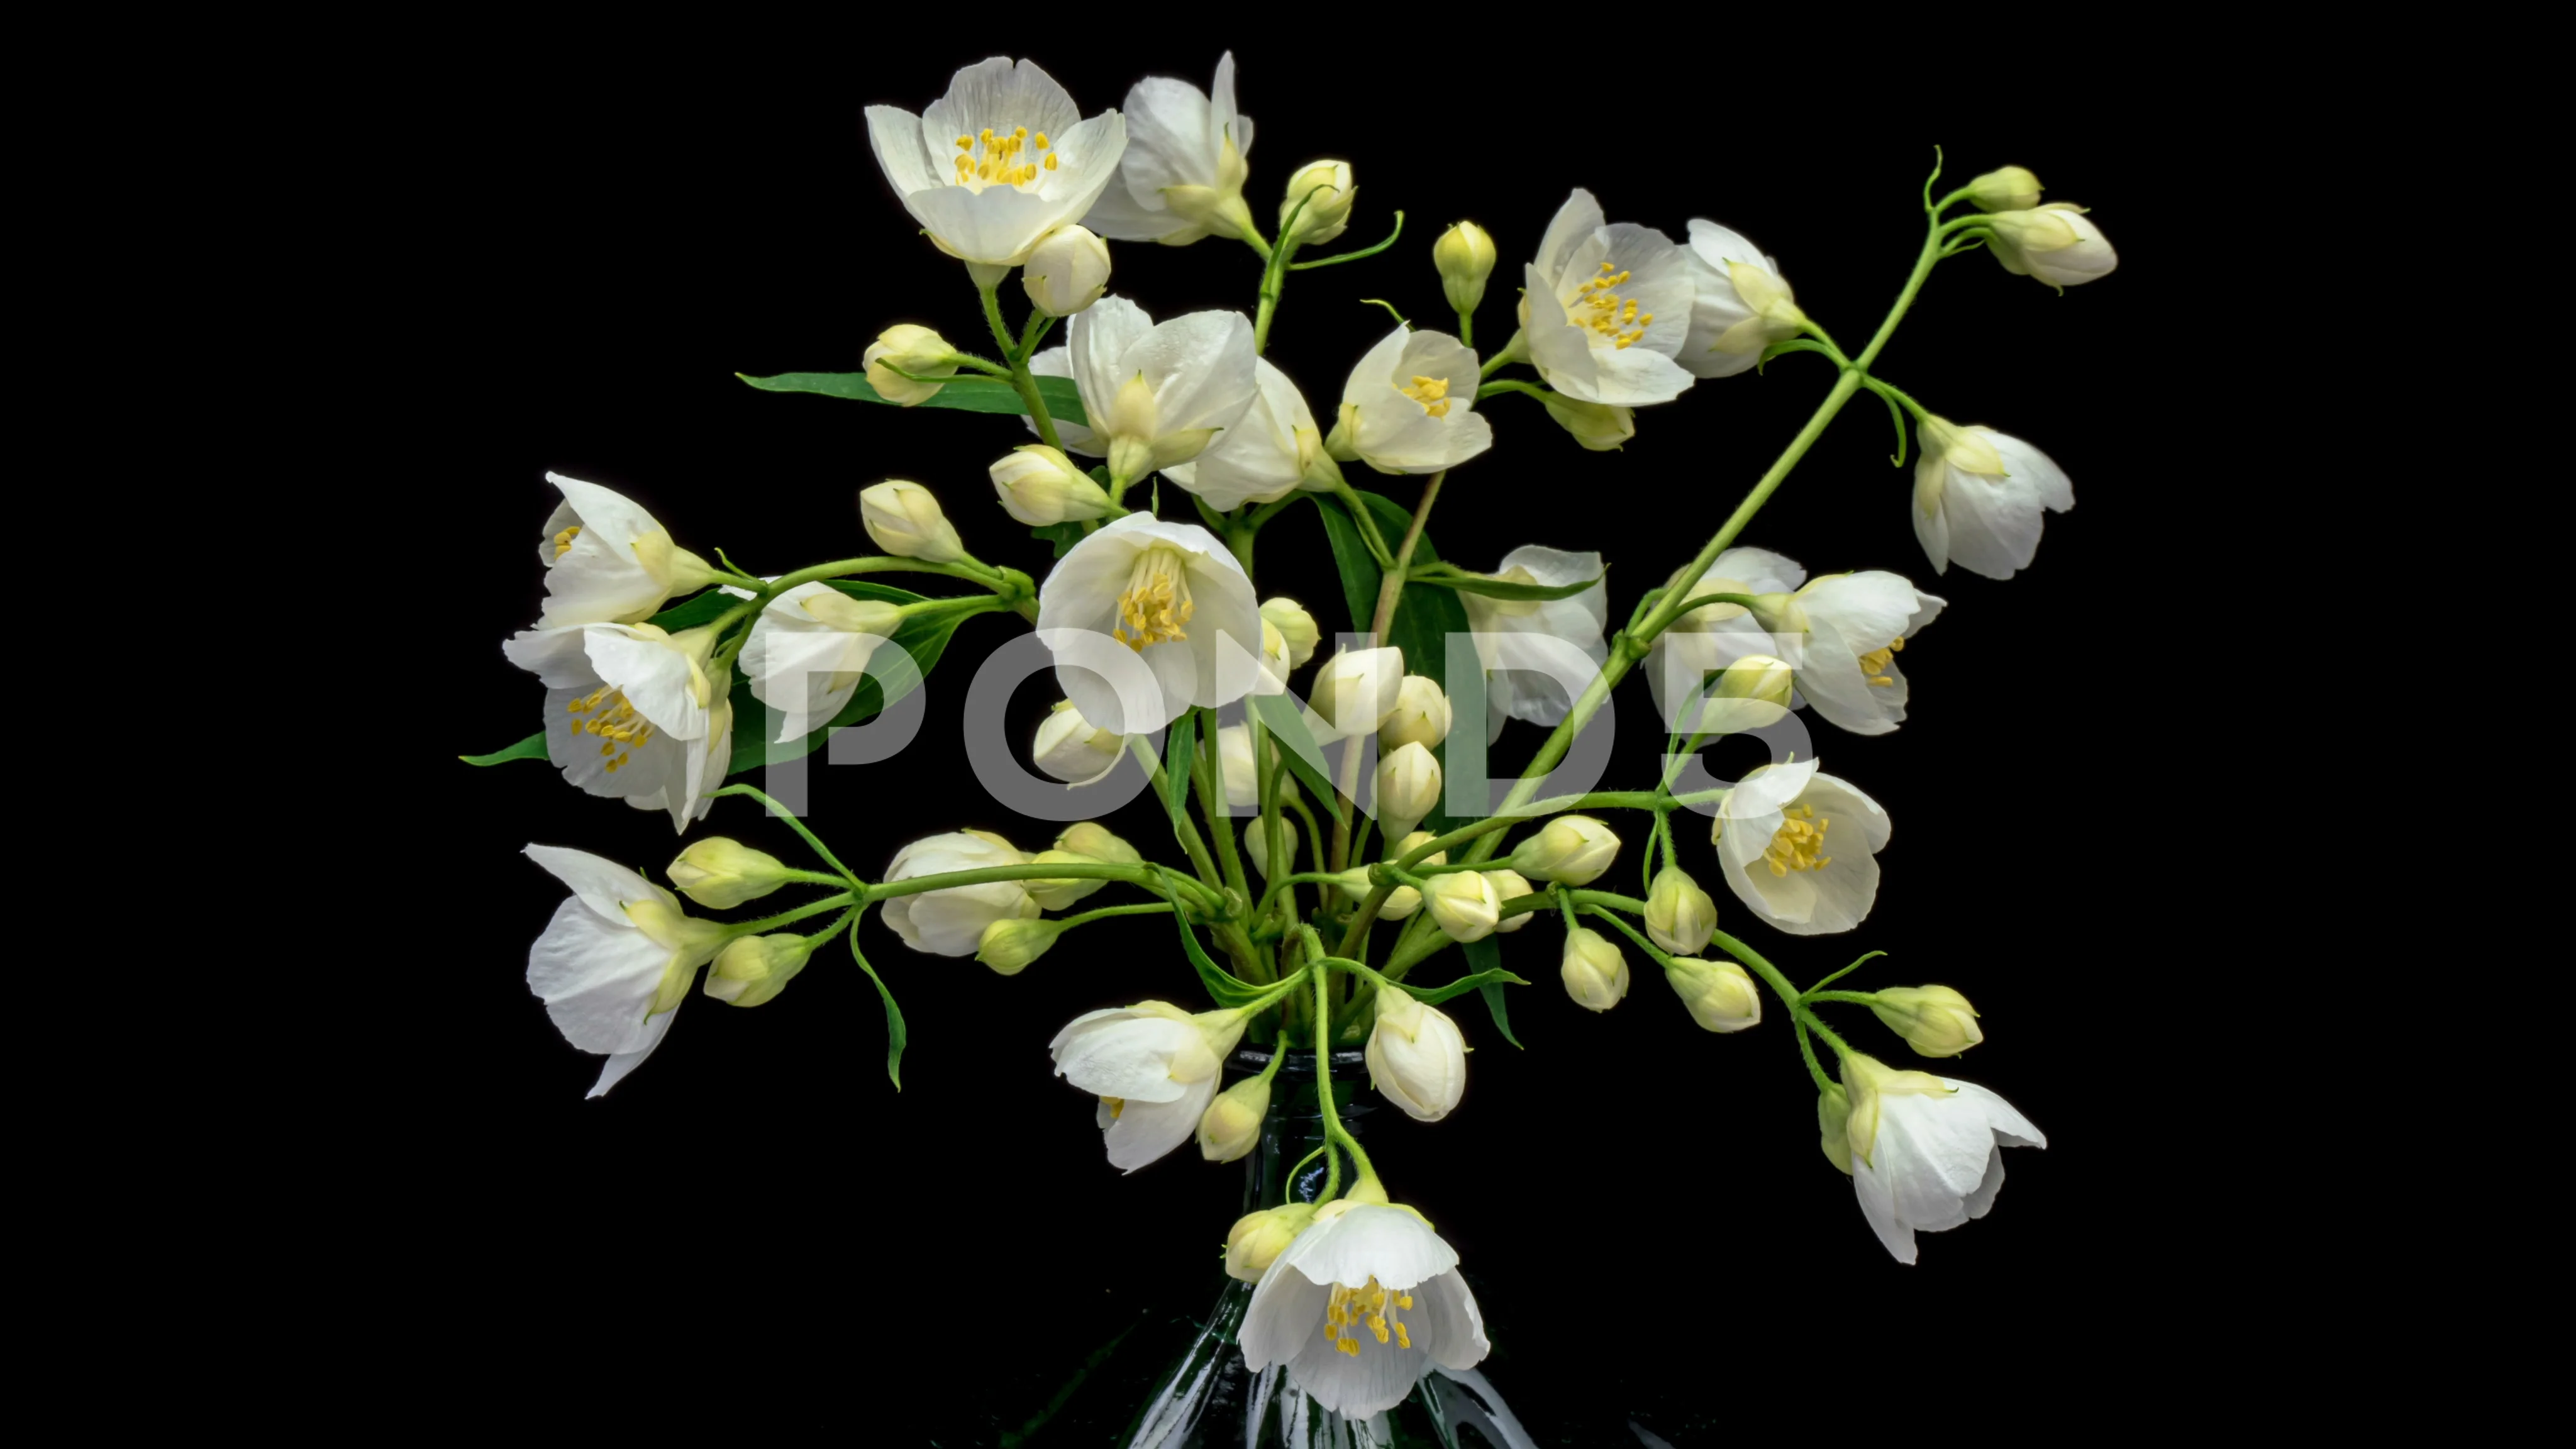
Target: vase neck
x,y
1294,1128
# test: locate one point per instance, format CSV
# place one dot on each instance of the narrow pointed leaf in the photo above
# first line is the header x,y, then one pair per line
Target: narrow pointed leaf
x,y
1063,401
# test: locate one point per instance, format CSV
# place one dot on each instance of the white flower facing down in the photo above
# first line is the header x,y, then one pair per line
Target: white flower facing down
x,y
1713,636
1522,692
632,713
1270,452
1181,177
2056,243
1606,308
951,922
808,651
616,961
1850,628
1173,593
1980,497
1157,394
1154,1067
1740,305
998,162
1360,1305
1409,406
1417,1057
1801,847
607,561
1926,1152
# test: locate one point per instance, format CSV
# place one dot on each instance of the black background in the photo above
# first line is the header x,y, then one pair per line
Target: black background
x,y
591,252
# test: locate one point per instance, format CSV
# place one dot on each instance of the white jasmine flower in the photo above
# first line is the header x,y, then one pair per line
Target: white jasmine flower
x,y
607,561
1417,1057
1979,498
1001,160
1272,450
1801,847
616,961
1156,394
1072,748
1360,1305
1525,693
1181,177
1851,628
1173,593
1925,1153
1606,307
1154,1067
1740,305
951,922
809,650
1713,636
1409,406
632,712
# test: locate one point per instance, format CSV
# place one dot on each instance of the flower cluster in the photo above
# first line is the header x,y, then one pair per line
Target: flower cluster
x,y
1330,861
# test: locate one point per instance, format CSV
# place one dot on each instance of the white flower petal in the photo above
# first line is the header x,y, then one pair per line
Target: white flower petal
x,y
595,978
1369,1241
614,1070
1145,1131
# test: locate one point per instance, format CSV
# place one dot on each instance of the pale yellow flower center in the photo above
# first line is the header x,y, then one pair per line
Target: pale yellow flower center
x,y
563,540
1598,308
1116,1106
990,160
1156,607
620,729
1794,845
1432,393
1875,662
1370,1307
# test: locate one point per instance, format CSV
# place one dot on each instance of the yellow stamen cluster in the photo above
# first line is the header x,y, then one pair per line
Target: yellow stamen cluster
x,y
1000,159
1156,607
1875,662
614,721
1371,1306
1598,306
563,540
1794,845
1432,393
1116,1105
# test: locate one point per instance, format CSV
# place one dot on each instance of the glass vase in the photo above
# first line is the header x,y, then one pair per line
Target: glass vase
x,y
1209,1400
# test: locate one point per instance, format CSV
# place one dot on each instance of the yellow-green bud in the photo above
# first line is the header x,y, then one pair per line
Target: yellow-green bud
x,y
905,520
2011,188
1833,1127
1091,838
1718,995
1680,917
752,969
1572,850
1594,971
1463,905
1056,893
691,942
1465,256
1757,677
1408,788
1067,272
906,348
1934,1020
721,874
1420,716
1231,1126
1040,486
1599,427
1256,843
1296,627
1257,1239
1009,945
1325,187
1507,885
1072,748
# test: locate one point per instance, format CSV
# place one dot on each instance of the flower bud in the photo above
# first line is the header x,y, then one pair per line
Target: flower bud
x,y
1934,1020
1719,996
906,348
721,874
1408,788
1091,838
1055,893
1599,427
752,969
1833,1125
1680,917
1573,850
1231,1126
2056,243
1400,902
1296,626
1595,972
1507,885
2012,188
1416,1057
905,521
1072,748
1420,716
1325,188
1757,677
1465,256
1235,763
1256,843
1257,1239
1041,486
1356,689
1067,272
1463,904
1010,944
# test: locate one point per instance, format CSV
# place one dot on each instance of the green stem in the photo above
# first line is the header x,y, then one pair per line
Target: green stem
x,y
1021,382
1779,982
1208,776
1142,908
789,918
1390,590
1135,875
844,568
813,841
1182,830
1855,998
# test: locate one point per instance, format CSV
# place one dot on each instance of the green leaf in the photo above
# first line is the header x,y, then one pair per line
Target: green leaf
x,y
1178,748
1493,588
698,609
1063,402
923,638
1281,716
895,1036
1226,988
1479,981
531,748
1426,614
1063,536
1350,554
1487,958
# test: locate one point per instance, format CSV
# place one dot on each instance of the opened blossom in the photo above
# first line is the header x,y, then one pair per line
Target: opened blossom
x,y
1409,406
1801,847
1001,160
633,712
1849,628
1713,636
1181,176
809,650
1360,1305
951,921
616,961
607,561
1516,687
1171,592
1980,498
1271,451
1606,307
1739,305
1925,1153
1157,394
1155,1069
